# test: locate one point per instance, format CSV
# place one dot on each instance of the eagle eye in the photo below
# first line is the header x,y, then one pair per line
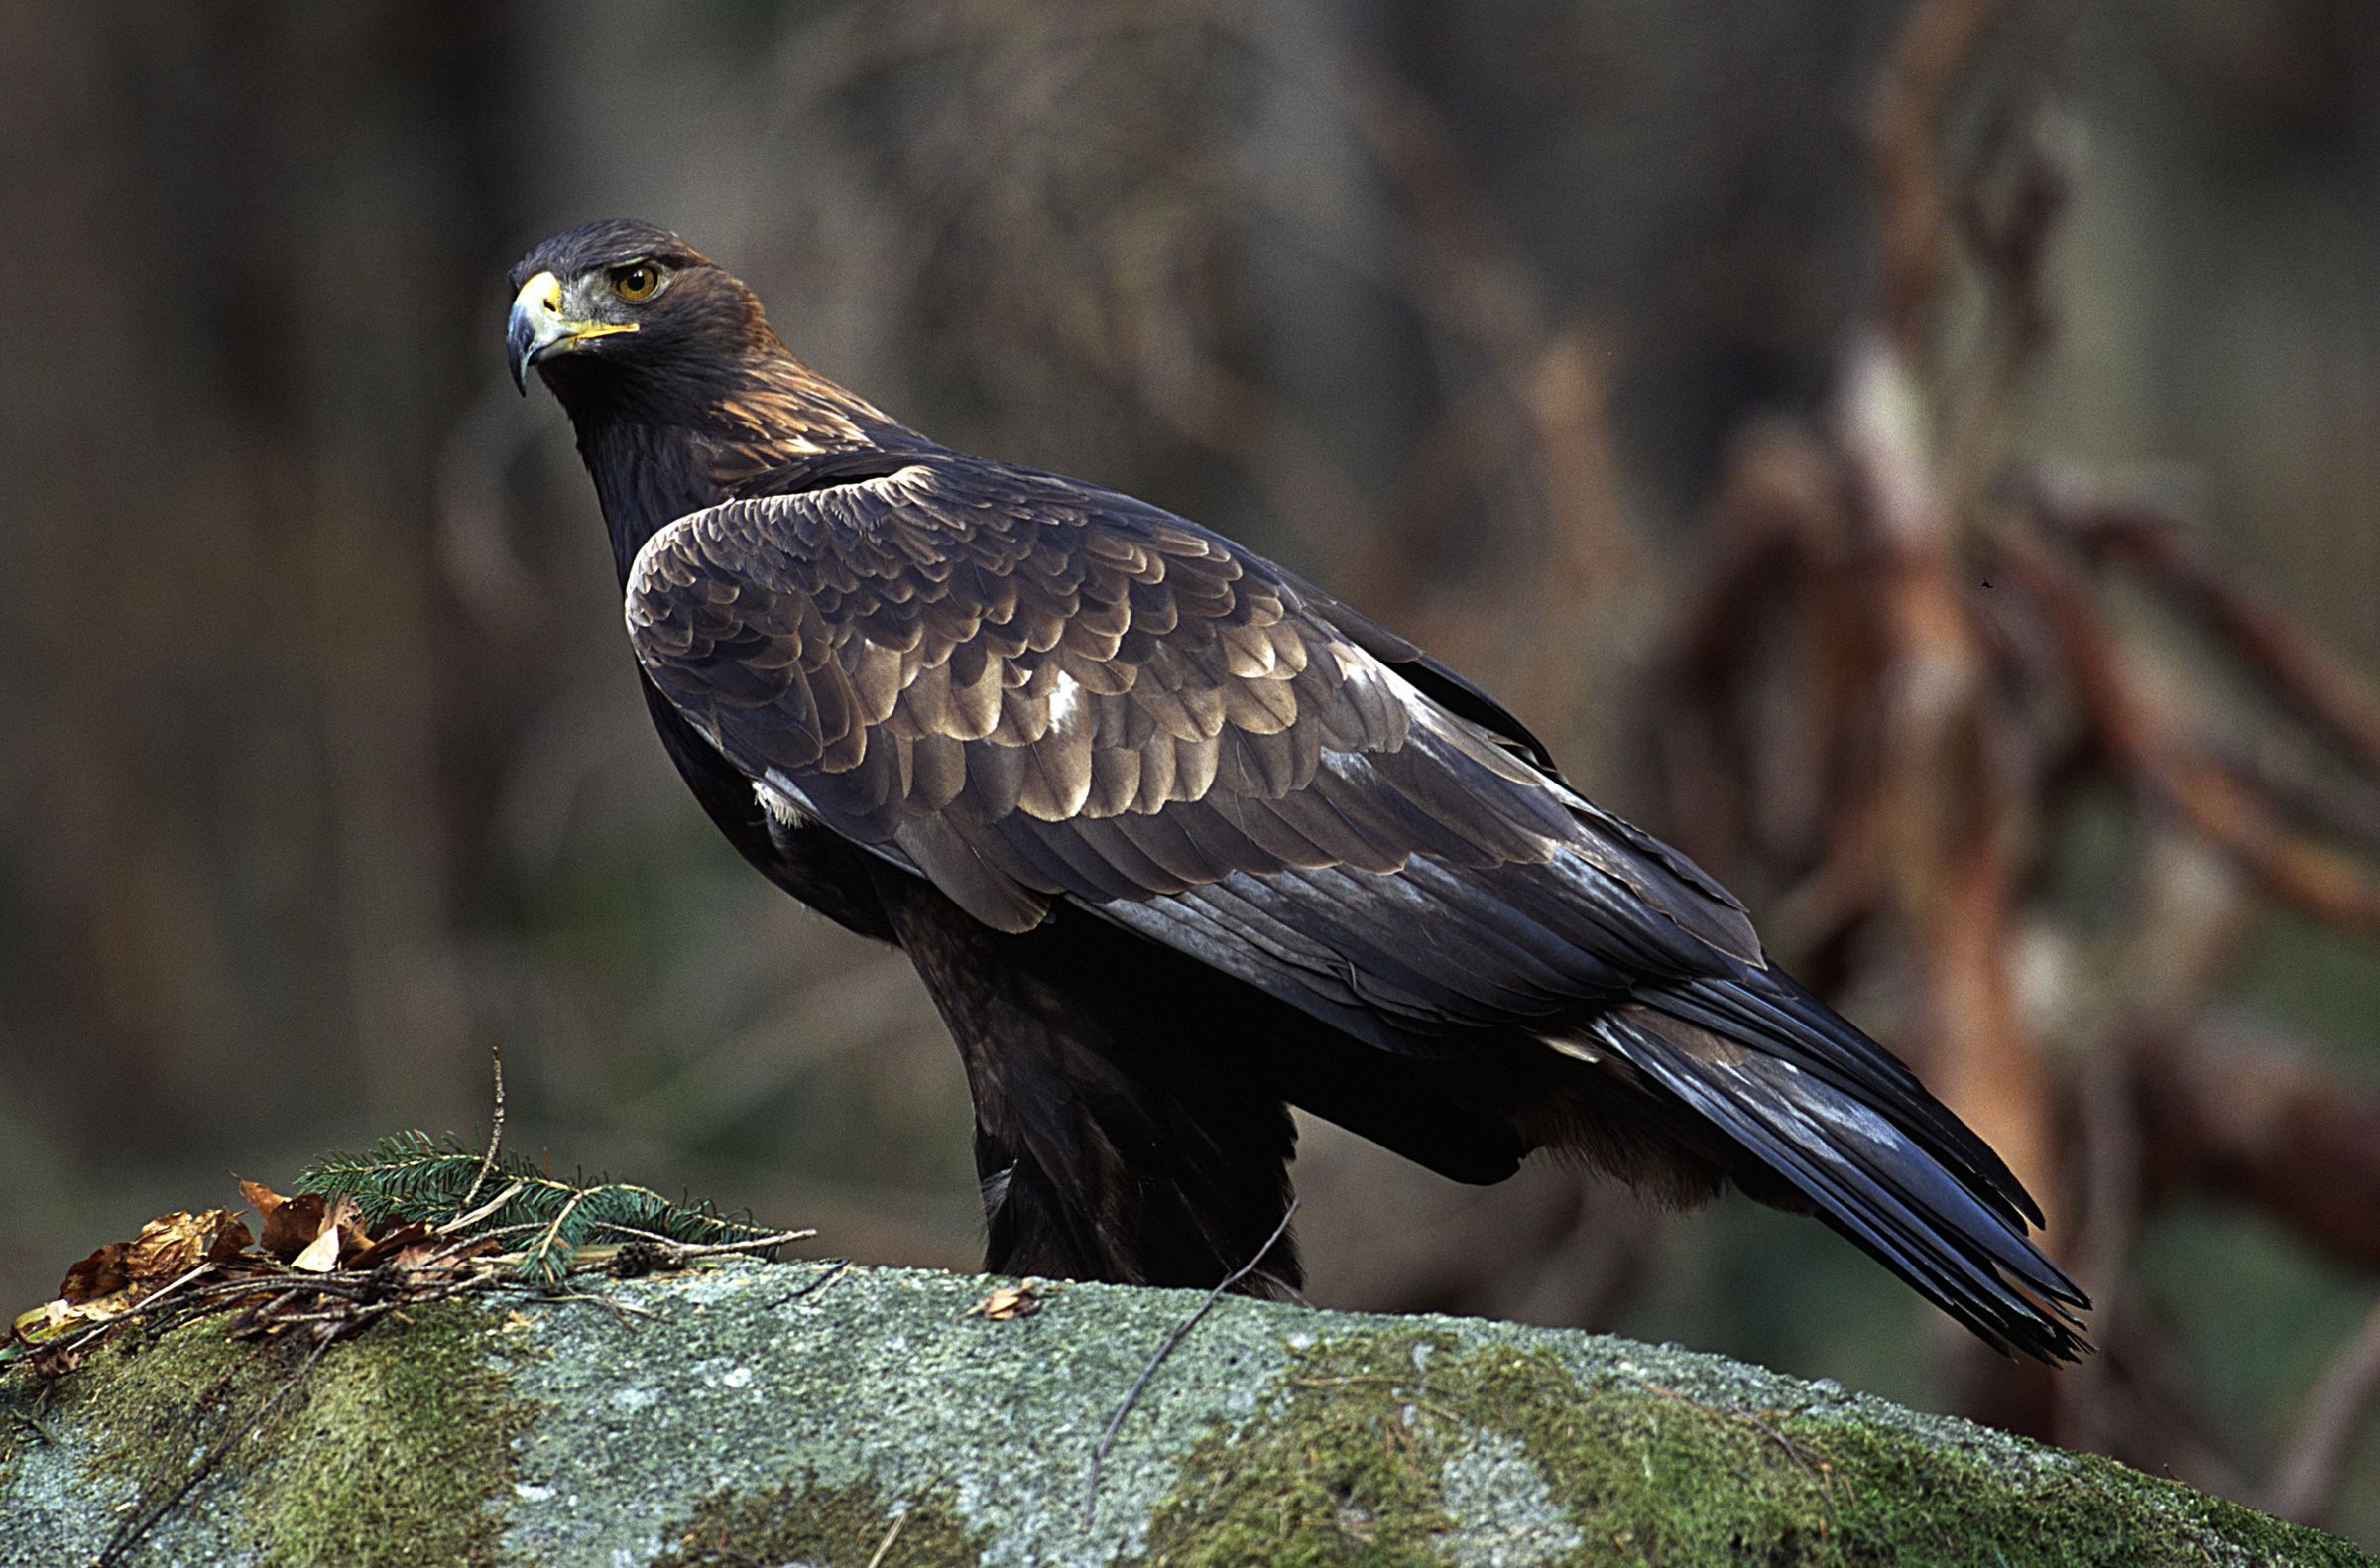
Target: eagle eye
x,y
635,281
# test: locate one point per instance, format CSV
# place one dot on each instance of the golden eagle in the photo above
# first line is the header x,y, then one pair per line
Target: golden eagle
x,y
1176,840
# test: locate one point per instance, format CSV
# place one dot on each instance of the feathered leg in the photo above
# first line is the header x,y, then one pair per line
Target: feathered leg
x,y
1111,1143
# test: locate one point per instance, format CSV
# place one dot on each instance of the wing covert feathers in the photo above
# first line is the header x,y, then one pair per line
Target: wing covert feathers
x,y
1029,691
1026,689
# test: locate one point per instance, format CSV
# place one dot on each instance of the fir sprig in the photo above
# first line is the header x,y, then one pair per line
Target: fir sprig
x,y
542,1219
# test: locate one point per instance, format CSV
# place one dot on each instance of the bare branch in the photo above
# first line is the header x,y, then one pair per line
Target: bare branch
x,y
1181,1331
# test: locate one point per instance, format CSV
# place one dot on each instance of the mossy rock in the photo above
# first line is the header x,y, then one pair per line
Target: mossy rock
x,y
869,1419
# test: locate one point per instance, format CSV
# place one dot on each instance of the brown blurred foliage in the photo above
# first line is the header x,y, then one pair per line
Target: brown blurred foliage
x,y
1922,456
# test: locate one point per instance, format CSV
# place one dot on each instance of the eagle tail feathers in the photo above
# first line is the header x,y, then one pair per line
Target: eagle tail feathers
x,y
1857,1156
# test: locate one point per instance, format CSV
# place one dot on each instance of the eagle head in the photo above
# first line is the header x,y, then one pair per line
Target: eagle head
x,y
617,294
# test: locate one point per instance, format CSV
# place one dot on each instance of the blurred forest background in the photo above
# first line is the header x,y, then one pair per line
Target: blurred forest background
x,y
1923,457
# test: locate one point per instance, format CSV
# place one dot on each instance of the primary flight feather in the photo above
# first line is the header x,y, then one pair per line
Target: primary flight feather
x,y
1175,840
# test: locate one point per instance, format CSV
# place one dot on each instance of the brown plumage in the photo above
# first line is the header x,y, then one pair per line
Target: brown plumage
x,y
1175,840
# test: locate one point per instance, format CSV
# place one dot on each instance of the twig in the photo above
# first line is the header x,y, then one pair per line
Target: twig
x,y
1791,1452
2304,1480
684,1250
813,1287
1181,1331
74,1344
1752,1417
463,1222
875,1559
1400,1389
552,1236
487,1164
620,1310
165,1290
347,1319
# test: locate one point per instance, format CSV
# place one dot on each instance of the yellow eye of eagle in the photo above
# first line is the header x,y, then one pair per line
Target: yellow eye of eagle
x,y
637,281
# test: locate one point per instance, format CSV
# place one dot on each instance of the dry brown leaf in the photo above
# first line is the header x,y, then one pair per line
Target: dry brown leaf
x,y
232,1242
166,1245
307,1233
320,1256
448,1257
293,1225
392,1244
1011,1301
348,1220
121,1274
263,1199
171,1245
100,1274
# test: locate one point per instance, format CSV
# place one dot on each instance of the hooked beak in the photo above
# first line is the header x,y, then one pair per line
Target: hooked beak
x,y
538,330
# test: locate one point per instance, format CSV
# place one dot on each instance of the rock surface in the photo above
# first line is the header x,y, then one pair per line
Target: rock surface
x,y
876,1418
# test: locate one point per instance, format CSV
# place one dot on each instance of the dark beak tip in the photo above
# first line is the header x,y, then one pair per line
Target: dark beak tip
x,y
519,350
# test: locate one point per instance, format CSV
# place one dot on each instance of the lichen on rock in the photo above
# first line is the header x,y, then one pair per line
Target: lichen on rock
x,y
804,1414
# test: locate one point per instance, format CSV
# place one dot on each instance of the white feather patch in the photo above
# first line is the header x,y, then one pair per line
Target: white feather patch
x,y
1574,1047
1065,700
781,805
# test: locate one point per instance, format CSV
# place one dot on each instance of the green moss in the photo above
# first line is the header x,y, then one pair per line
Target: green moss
x,y
405,1437
1925,1503
851,1527
386,1453
141,1398
1352,1460
1648,1474
1337,1473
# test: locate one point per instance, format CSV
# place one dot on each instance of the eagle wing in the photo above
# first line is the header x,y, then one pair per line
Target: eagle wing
x,y
1028,690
